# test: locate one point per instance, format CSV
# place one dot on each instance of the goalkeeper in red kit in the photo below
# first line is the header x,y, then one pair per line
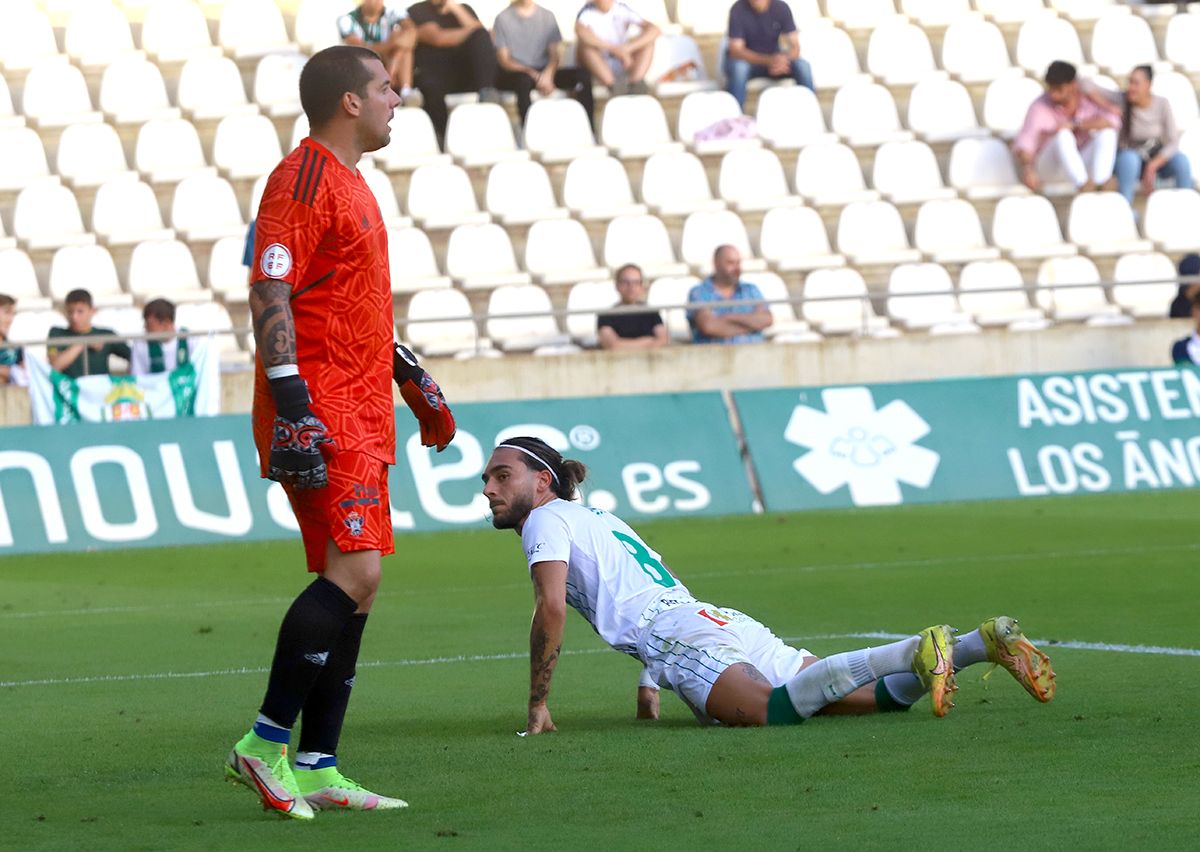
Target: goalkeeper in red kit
x,y
321,305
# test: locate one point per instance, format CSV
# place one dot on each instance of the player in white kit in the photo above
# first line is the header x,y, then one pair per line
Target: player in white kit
x,y
724,665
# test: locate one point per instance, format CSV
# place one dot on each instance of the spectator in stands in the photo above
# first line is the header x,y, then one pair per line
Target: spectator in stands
x,y
158,355
755,30
1189,266
390,34
608,46
10,356
454,54
1064,131
631,329
727,323
528,47
1187,349
1148,144
66,359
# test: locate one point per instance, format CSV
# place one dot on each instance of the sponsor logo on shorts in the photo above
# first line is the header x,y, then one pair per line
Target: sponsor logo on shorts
x,y
715,616
355,523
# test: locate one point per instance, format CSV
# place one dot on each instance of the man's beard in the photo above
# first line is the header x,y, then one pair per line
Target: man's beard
x,y
515,511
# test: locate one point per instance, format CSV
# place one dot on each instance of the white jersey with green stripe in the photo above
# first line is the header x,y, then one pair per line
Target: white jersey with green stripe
x,y
614,579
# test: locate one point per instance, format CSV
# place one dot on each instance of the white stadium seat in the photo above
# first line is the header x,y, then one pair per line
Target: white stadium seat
x,y
831,175
175,30
752,179
522,333
597,188
246,146
973,50
205,208
227,277
439,323
642,240
440,196
1181,93
593,297
164,269
211,317
702,17
899,53
24,159
480,134
125,320
35,324
481,257
25,39
559,251
519,193
1170,220
935,14
57,95
412,262
789,117
635,126
1045,37
871,232
674,183
993,292
210,87
907,173
668,291
1121,41
8,113
949,231
860,14
983,169
87,266
47,216
252,28
785,327
385,196
132,91
316,24
1101,223
277,83
794,239
89,154
97,33
1027,227
126,212
831,53
865,114
836,302
1006,101
940,110
1075,302
703,109
413,142
20,282
557,131
704,231
921,297
1179,44
1147,299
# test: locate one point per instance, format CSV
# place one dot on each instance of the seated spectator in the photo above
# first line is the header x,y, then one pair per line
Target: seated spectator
x,y
389,33
755,30
528,44
608,48
631,329
10,356
728,323
1187,350
159,355
1148,144
1066,132
1189,267
454,54
66,359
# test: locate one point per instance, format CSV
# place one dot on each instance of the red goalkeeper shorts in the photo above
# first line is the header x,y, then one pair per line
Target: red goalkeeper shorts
x,y
353,509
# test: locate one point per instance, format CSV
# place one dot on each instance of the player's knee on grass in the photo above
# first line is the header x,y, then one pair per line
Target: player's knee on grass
x,y
739,697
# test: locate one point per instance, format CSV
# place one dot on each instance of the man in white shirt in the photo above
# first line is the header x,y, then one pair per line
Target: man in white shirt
x,y
727,667
158,355
615,45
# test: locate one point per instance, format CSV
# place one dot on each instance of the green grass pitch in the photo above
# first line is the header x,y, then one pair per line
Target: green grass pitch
x,y
103,750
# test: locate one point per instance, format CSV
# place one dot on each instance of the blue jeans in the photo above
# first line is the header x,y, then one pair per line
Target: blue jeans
x,y
739,72
1129,171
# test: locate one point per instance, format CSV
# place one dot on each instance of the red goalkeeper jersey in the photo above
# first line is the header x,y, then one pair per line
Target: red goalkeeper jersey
x,y
319,229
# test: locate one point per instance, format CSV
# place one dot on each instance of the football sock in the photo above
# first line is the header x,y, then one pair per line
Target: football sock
x,y
271,731
905,689
969,650
325,708
310,760
835,677
309,632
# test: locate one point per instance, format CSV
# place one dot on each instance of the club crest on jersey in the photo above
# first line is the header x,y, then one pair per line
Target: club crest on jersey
x,y
355,523
276,261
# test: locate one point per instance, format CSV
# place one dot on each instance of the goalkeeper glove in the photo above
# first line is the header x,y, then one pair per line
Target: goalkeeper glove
x,y
298,434
424,397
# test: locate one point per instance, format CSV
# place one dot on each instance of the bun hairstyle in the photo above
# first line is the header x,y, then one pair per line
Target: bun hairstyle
x,y
566,475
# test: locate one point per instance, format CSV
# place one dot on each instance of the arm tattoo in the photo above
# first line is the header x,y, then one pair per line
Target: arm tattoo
x,y
541,664
274,328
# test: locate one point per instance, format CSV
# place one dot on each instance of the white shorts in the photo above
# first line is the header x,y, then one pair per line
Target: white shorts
x,y
686,649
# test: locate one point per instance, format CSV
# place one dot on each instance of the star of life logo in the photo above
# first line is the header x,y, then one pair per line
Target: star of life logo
x,y
853,443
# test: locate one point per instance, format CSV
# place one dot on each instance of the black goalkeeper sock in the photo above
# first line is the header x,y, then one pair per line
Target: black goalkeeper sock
x,y
309,633
325,709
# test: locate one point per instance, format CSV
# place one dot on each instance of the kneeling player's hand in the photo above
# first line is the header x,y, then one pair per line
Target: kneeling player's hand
x,y
647,702
539,720
297,437
422,394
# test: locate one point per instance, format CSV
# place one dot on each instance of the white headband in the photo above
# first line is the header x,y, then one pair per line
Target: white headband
x,y
534,456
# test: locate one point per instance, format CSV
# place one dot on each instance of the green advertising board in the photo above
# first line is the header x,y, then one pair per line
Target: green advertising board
x,y
971,439
191,481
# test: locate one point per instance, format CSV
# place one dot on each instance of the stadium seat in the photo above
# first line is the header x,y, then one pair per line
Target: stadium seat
x,y
20,282
97,33
47,216
440,197
949,231
752,179
1045,37
1181,93
921,298
1121,41
940,110
481,257
1189,144
316,24
702,17
935,14
412,262
413,142
667,291
1148,299
1026,227
865,114
25,39
480,134
1082,10
1075,302
124,320
212,317
57,95
536,329
674,183
1005,103
785,327
1179,43
227,277
703,109
24,159
205,208
91,267
1101,223
973,50
6,242
8,114
165,269
830,175
592,297
983,169
803,11
993,293
635,126
35,324
385,196
246,146
860,14
252,28
705,230
210,87
89,154
1170,220
836,302
439,323
132,91
672,54
794,239
642,240
908,173
871,232
831,53
126,212
899,53
174,31
557,131
559,251
597,188
277,83
789,118
519,193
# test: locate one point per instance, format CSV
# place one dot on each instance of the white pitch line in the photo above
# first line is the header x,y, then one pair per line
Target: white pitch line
x,y
1158,650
